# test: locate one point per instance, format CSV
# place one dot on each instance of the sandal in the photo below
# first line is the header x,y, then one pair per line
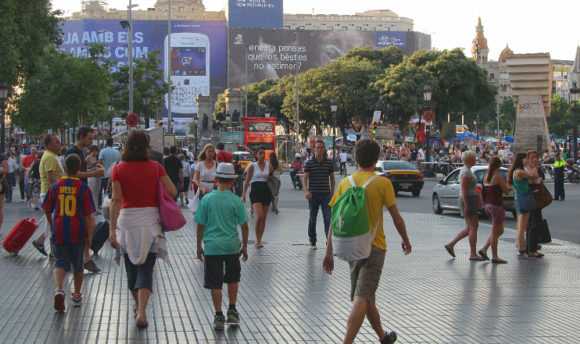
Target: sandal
x,y
522,253
477,259
483,254
450,250
498,261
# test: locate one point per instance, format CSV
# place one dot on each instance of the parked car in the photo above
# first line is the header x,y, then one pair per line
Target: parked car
x,y
243,158
404,175
446,192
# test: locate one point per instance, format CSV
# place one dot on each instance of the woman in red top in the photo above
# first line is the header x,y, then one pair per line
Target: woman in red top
x,y
135,218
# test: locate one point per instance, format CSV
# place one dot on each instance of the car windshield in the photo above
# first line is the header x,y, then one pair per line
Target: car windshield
x,y
398,165
243,156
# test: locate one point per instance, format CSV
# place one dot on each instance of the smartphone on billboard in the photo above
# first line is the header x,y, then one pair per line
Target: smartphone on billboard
x,y
190,67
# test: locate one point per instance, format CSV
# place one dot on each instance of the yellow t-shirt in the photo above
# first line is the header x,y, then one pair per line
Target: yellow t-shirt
x,y
48,163
379,194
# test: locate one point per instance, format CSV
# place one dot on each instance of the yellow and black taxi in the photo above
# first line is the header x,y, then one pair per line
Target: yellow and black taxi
x,y
404,175
243,158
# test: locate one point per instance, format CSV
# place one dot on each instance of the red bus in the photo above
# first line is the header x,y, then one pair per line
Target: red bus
x,y
260,132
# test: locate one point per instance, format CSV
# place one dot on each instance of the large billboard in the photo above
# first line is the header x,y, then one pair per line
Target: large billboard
x,y
259,54
198,52
266,14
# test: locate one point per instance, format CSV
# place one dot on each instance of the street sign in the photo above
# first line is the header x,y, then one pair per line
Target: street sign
x,y
377,116
132,120
385,132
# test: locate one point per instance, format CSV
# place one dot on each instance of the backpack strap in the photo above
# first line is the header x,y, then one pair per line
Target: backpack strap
x,y
351,180
370,180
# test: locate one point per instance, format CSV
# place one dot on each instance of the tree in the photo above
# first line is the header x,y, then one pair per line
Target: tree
x,y
28,28
559,119
65,91
457,83
382,58
148,85
507,110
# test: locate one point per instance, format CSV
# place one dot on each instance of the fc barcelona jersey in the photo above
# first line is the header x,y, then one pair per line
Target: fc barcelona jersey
x,y
70,201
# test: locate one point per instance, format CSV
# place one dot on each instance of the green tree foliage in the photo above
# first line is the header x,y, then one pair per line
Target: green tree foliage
x,y
564,116
507,110
27,28
382,58
64,91
148,85
457,83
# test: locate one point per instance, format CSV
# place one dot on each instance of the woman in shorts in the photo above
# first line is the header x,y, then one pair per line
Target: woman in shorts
x,y
469,200
494,186
261,197
519,179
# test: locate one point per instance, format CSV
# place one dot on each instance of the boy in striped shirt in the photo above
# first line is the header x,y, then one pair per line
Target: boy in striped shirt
x,y
70,212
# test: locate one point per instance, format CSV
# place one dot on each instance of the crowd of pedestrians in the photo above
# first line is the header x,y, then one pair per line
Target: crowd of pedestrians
x,y
71,184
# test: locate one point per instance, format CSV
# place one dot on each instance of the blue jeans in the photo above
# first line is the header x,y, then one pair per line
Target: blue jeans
x,y
318,200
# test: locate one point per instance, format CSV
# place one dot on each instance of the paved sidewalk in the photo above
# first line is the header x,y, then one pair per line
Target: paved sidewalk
x,y
286,298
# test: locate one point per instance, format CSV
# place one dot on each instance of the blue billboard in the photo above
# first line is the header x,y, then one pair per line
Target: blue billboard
x,y
391,38
197,51
260,14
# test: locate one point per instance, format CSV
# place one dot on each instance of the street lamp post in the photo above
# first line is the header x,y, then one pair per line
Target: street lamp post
x,y
333,109
427,93
146,101
3,96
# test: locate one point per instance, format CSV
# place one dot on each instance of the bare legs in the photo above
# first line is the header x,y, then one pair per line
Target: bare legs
x,y
471,226
261,212
523,220
361,308
216,296
496,232
142,297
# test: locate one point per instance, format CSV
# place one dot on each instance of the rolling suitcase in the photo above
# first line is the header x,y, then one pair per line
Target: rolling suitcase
x,y
100,237
19,235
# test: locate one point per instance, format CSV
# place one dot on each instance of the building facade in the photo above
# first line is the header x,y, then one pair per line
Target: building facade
x,y
376,20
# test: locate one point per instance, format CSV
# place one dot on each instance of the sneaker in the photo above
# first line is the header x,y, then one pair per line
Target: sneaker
x,y
233,317
92,267
313,245
219,322
77,299
389,338
59,301
40,248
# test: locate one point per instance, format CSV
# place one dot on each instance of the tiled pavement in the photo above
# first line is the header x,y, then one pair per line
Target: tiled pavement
x,y
286,298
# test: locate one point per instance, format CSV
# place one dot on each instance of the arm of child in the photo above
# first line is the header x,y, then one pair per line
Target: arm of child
x,y
401,228
200,229
245,235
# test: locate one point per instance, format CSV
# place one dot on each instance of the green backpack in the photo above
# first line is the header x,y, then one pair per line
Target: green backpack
x,y
351,233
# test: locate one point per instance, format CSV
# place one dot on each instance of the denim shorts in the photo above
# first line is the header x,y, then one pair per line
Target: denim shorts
x,y
68,256
140,276
525,202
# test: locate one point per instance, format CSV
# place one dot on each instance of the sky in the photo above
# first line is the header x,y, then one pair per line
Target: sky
x,y
552,26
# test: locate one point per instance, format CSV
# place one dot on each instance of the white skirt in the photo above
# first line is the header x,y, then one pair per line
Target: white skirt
x,y
140,233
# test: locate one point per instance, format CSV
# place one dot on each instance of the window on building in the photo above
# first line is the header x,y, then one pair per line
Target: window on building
x,y
491,76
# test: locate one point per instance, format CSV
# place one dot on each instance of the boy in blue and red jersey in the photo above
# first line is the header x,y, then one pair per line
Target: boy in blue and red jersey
x,y
69,209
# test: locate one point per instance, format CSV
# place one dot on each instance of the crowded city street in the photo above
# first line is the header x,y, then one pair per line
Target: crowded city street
x,y
287,298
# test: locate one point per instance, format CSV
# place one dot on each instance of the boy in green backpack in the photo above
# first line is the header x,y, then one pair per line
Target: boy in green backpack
x,y
365,274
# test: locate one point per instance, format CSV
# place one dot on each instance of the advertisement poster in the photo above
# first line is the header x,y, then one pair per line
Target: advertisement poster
x,y
198,53
259,54
265,14
256,54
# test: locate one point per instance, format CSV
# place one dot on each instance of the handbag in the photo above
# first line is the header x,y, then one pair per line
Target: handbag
x,y
170,214
543,232
542,196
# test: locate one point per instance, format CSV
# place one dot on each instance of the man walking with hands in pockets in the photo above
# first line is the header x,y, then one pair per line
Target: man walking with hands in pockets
x,y
365,274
